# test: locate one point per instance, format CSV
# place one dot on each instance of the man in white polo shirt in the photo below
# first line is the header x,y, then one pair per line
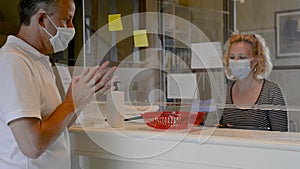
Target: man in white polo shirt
x,y
33,119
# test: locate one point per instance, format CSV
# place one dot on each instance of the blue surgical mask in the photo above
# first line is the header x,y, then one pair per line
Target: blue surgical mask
x,y
61,39
240,69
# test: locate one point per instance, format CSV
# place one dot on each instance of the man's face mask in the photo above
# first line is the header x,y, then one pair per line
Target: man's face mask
x,y
62,37
240,69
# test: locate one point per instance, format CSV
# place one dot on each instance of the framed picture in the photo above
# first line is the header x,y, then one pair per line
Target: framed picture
x,y
287,33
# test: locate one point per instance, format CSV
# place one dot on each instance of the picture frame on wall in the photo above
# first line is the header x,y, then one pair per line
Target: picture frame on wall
x,y
287,33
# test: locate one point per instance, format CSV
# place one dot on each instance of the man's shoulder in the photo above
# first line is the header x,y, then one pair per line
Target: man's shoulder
x,y
9,45
11,50
10,56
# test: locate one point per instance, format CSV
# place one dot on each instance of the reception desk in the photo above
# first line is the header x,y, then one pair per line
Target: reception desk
x,y
137,146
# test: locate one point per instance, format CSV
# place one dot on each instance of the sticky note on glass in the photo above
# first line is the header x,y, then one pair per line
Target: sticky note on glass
x,y
140,38
115,22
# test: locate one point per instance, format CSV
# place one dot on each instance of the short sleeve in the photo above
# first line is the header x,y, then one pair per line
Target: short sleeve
x,y
20,96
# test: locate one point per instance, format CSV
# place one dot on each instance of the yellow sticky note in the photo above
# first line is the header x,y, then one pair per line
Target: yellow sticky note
x,y
115,22
140,38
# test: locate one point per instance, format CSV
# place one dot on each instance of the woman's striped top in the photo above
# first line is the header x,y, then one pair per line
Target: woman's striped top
x,y
275,120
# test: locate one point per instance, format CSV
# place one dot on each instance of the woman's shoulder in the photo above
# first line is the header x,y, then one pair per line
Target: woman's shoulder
x,y
230,82
271,84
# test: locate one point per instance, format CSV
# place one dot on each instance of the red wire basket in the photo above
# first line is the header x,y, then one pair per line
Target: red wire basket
x,y
172,120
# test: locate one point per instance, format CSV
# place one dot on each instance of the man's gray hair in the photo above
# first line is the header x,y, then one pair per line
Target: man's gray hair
x,y
28,8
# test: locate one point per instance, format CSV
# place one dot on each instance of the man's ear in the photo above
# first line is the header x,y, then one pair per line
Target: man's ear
x,y
41,19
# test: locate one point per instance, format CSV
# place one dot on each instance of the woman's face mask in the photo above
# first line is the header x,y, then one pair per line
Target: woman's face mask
x,y
61,39
240,69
